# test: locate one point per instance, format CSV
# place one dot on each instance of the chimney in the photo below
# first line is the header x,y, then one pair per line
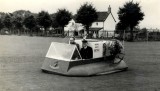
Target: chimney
x,y
109,9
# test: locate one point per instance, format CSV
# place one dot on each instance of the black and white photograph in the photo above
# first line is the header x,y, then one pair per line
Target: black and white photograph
x,y
79,45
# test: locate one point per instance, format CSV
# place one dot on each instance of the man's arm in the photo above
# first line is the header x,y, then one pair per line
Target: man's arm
x,y
90,52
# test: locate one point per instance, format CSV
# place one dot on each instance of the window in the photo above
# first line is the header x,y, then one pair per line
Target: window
x,y
62,51
97,23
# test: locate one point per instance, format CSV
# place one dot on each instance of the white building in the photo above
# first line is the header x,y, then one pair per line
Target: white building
x,y
73,27
104,25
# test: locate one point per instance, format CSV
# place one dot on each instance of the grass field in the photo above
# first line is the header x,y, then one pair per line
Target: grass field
x,y
21,58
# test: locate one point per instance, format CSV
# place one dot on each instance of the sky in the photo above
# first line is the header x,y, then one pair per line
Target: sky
x,y
149,7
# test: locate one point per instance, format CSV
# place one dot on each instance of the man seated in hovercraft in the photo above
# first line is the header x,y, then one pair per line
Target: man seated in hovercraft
x,y
72,41
86,51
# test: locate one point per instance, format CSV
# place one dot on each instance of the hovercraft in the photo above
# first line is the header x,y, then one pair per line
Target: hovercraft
x,y
65,59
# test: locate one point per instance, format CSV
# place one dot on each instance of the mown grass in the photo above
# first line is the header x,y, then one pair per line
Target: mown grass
x,y
21,58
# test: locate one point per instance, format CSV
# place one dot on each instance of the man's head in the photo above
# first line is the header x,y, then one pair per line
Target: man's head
x,y
72,40
84,43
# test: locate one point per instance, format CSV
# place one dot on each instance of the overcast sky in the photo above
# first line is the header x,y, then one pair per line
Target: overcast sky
x,y
149,7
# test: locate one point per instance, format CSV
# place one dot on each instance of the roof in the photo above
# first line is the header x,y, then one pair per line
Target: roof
x,y
102,16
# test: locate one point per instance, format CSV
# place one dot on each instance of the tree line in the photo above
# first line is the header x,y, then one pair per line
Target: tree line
x,y
129,16
22,21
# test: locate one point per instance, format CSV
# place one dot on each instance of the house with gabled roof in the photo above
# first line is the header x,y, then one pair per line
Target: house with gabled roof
x,y
99,23
104,25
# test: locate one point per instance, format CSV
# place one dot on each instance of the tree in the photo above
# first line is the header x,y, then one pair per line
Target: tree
x,y
86,15
62,18
21,13
120,28
7,22
44,20
2,15
54,22
18,24
130,16
30,23
1,24
143,33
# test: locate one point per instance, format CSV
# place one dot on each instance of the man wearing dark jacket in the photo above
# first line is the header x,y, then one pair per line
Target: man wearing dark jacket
x,y
86,51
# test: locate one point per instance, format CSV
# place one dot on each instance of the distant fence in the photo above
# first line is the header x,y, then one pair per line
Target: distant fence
x,y
100,34
142,36
153,35
139,36
107,34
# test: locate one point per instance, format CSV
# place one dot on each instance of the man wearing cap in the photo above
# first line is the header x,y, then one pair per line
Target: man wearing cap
x,y
86,51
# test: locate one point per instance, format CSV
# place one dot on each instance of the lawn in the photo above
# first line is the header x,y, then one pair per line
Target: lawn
x,y
21,58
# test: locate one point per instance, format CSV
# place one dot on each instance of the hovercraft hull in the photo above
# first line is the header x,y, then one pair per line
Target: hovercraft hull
x,y
89,67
